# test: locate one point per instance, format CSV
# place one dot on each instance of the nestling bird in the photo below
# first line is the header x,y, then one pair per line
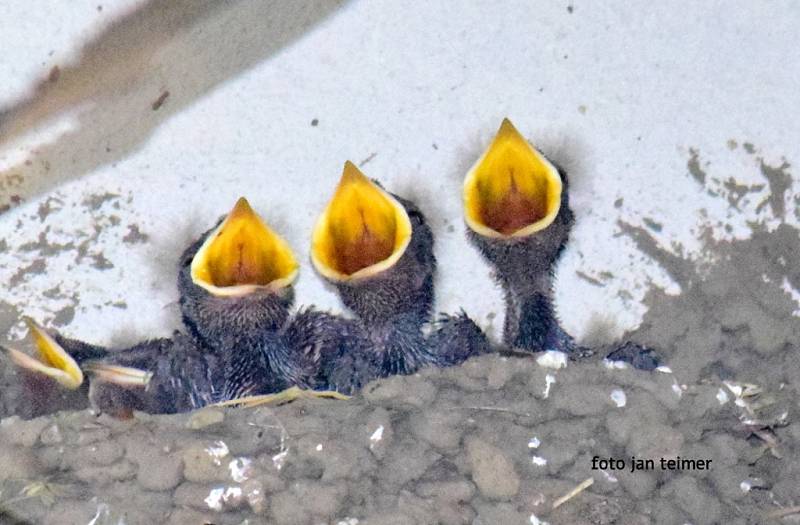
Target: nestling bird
x,y
156,376
516,207
236,296
377,250
235,287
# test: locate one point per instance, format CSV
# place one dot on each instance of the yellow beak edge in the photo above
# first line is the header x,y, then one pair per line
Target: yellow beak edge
x,y
243,255
362,232
53,360
513,190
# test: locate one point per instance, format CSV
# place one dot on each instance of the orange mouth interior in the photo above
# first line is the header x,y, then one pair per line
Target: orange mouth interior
x,y
513,190
243,254
364,230
53,360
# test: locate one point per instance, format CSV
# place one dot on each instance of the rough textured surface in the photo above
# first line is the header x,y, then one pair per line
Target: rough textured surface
x,y
511,454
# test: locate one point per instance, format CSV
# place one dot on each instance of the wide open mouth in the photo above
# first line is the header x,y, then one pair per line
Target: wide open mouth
x,y
513,190
53,360
243,255
362,232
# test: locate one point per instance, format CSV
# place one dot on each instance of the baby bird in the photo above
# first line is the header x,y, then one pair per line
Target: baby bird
x,y
377,250
516,208
235,297
235,288
156,376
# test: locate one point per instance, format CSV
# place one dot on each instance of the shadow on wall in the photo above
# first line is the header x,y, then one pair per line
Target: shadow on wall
x,y
144,67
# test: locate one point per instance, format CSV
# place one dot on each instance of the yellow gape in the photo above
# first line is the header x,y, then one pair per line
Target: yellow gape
x,y
53,360
243,255
362,232
513,190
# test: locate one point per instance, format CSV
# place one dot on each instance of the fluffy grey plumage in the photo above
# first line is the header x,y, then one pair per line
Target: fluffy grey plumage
x,y
456,338
404,289
244,331
394,305
337,347
524,268
185,376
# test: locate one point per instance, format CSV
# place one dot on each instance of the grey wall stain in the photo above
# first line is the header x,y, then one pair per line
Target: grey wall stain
x,y
54,238
47,207
64,316
797,207
96,200
135,235
681,270
38,266
728,316
652,224
100,262
736,191
44,247
693,165
780,181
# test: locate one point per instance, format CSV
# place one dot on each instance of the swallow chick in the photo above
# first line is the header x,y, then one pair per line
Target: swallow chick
x,y
377,250
156,376
235,287
516,207
517,212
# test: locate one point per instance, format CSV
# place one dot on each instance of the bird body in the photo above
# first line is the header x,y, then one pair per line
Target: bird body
x,y
391,293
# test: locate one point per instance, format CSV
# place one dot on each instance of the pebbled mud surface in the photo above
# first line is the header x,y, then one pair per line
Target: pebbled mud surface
x,y
497,440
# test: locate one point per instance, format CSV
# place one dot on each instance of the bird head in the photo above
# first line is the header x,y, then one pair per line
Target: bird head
x,y
243,255
52,360
517,211
375,248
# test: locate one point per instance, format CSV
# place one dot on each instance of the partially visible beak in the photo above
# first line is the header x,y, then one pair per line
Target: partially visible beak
x,y
53,360
243,255
512,191
119,375
362,232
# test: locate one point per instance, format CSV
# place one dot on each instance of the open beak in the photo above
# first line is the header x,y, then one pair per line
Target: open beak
x,y
512,191
243,255
362,232
119,375
53,360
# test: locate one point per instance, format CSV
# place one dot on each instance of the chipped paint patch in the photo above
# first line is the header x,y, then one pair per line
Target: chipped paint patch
x,y
552,359
49,240
134,235
722,396
619,398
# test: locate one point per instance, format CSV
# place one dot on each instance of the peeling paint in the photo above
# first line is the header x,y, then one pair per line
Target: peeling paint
x,y
134,235
693,165
780,181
